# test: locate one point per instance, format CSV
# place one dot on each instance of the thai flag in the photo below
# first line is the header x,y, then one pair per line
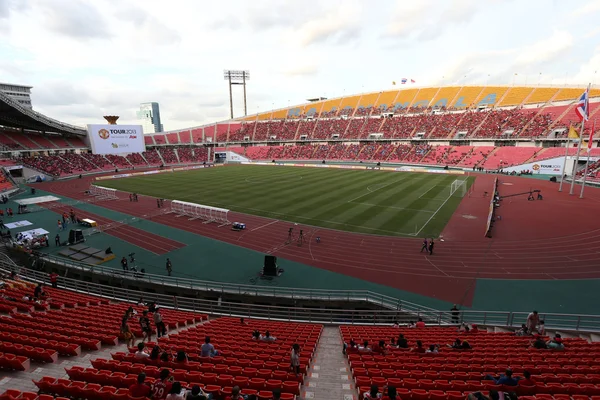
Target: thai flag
x,y
403,81
582,109
412,81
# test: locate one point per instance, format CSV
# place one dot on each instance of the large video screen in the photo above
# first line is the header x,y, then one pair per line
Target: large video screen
x,y
116,139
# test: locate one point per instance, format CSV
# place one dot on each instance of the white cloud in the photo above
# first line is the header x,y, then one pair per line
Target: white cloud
x,y
89,58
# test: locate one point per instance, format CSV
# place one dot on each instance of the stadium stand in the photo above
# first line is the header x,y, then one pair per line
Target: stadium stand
x,y
452,373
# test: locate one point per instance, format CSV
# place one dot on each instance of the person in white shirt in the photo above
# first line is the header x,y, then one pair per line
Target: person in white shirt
x,y
434,349
141,354
533,320
295,359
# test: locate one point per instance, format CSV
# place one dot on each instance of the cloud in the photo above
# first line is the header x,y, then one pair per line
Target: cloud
x,y
545,50
589,8
424,20
149,28
74,19
301,70
61,93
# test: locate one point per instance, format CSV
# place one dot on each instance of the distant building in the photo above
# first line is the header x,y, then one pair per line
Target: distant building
x,y
19,93
149,114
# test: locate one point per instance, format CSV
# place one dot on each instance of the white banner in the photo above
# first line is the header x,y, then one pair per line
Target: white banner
x,y
116,139
552,166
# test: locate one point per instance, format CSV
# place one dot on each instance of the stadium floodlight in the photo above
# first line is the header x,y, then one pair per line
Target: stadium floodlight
x,y
236,77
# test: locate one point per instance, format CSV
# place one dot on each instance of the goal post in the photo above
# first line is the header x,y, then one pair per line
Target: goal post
x,y
199,211
458,188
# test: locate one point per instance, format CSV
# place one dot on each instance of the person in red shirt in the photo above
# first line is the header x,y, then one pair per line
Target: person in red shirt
x,y
420,323
526,380
139,389
54,279
162,386
419,348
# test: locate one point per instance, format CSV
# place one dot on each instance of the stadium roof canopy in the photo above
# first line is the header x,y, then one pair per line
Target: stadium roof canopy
x,y
13,115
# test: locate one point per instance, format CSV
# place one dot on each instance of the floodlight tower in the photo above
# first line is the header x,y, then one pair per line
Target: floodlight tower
x,y
236,77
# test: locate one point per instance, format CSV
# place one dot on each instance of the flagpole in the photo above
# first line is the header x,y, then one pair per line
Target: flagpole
x,y
589,151
576,158
578,147
564,168
585,175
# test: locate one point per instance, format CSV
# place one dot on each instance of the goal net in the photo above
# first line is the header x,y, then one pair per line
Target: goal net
x,y
458,188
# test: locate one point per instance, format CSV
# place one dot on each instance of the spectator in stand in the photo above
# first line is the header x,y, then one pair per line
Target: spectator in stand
x,y
276,394
165,357
506,379
38,292
146,327
391,394
162,386
140,389
161,329
526,380
197,394
420,323
181,357
365,348
556,343
268,337
295,359
402,342
126,332
54,279
460,345
140,354
542,328
373,393
538,343
455,312
533,321
419,349
207,349
433,349
379,348
256,334
176,392
523,331
235,394
155,353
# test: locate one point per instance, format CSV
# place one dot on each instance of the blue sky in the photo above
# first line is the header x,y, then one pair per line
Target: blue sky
x,y
86,59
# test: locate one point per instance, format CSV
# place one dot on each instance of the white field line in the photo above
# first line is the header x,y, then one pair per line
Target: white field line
x,y
433,215
373,191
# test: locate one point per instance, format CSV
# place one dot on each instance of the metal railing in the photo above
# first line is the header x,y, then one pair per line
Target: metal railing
x,y
403,315
378,299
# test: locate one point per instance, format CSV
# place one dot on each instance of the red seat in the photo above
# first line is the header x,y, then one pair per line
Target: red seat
x,y
225,380
291,387
271,384
256,383
240,381
107,392
419,394
265,395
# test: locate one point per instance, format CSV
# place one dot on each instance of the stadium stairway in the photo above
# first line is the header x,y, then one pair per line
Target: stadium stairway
x,y
329,376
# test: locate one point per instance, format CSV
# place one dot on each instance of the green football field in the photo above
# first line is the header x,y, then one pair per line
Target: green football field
x,y
367,201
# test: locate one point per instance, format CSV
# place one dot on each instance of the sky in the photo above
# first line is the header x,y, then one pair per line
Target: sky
x,y
86,59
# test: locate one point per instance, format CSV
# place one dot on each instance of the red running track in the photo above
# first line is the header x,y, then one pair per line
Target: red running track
x,y
137,237
557,238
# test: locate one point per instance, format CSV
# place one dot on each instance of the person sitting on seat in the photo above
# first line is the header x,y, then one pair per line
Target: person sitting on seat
x,y
181,357
556,343
207,349
433,349
267,337
419,348
391,394
538,343
141,354
373,393
526,380
402,342
506,379
140,389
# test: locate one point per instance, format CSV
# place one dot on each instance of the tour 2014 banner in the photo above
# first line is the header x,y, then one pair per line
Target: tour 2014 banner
x,y
116,139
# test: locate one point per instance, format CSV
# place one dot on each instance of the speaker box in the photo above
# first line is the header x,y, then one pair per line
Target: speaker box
x,y
75,236
270,267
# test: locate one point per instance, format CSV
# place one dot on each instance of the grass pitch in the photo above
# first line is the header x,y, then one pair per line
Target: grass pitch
x,y
366,201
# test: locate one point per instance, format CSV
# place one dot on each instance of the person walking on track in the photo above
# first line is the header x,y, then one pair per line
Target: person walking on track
x,y
424,247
